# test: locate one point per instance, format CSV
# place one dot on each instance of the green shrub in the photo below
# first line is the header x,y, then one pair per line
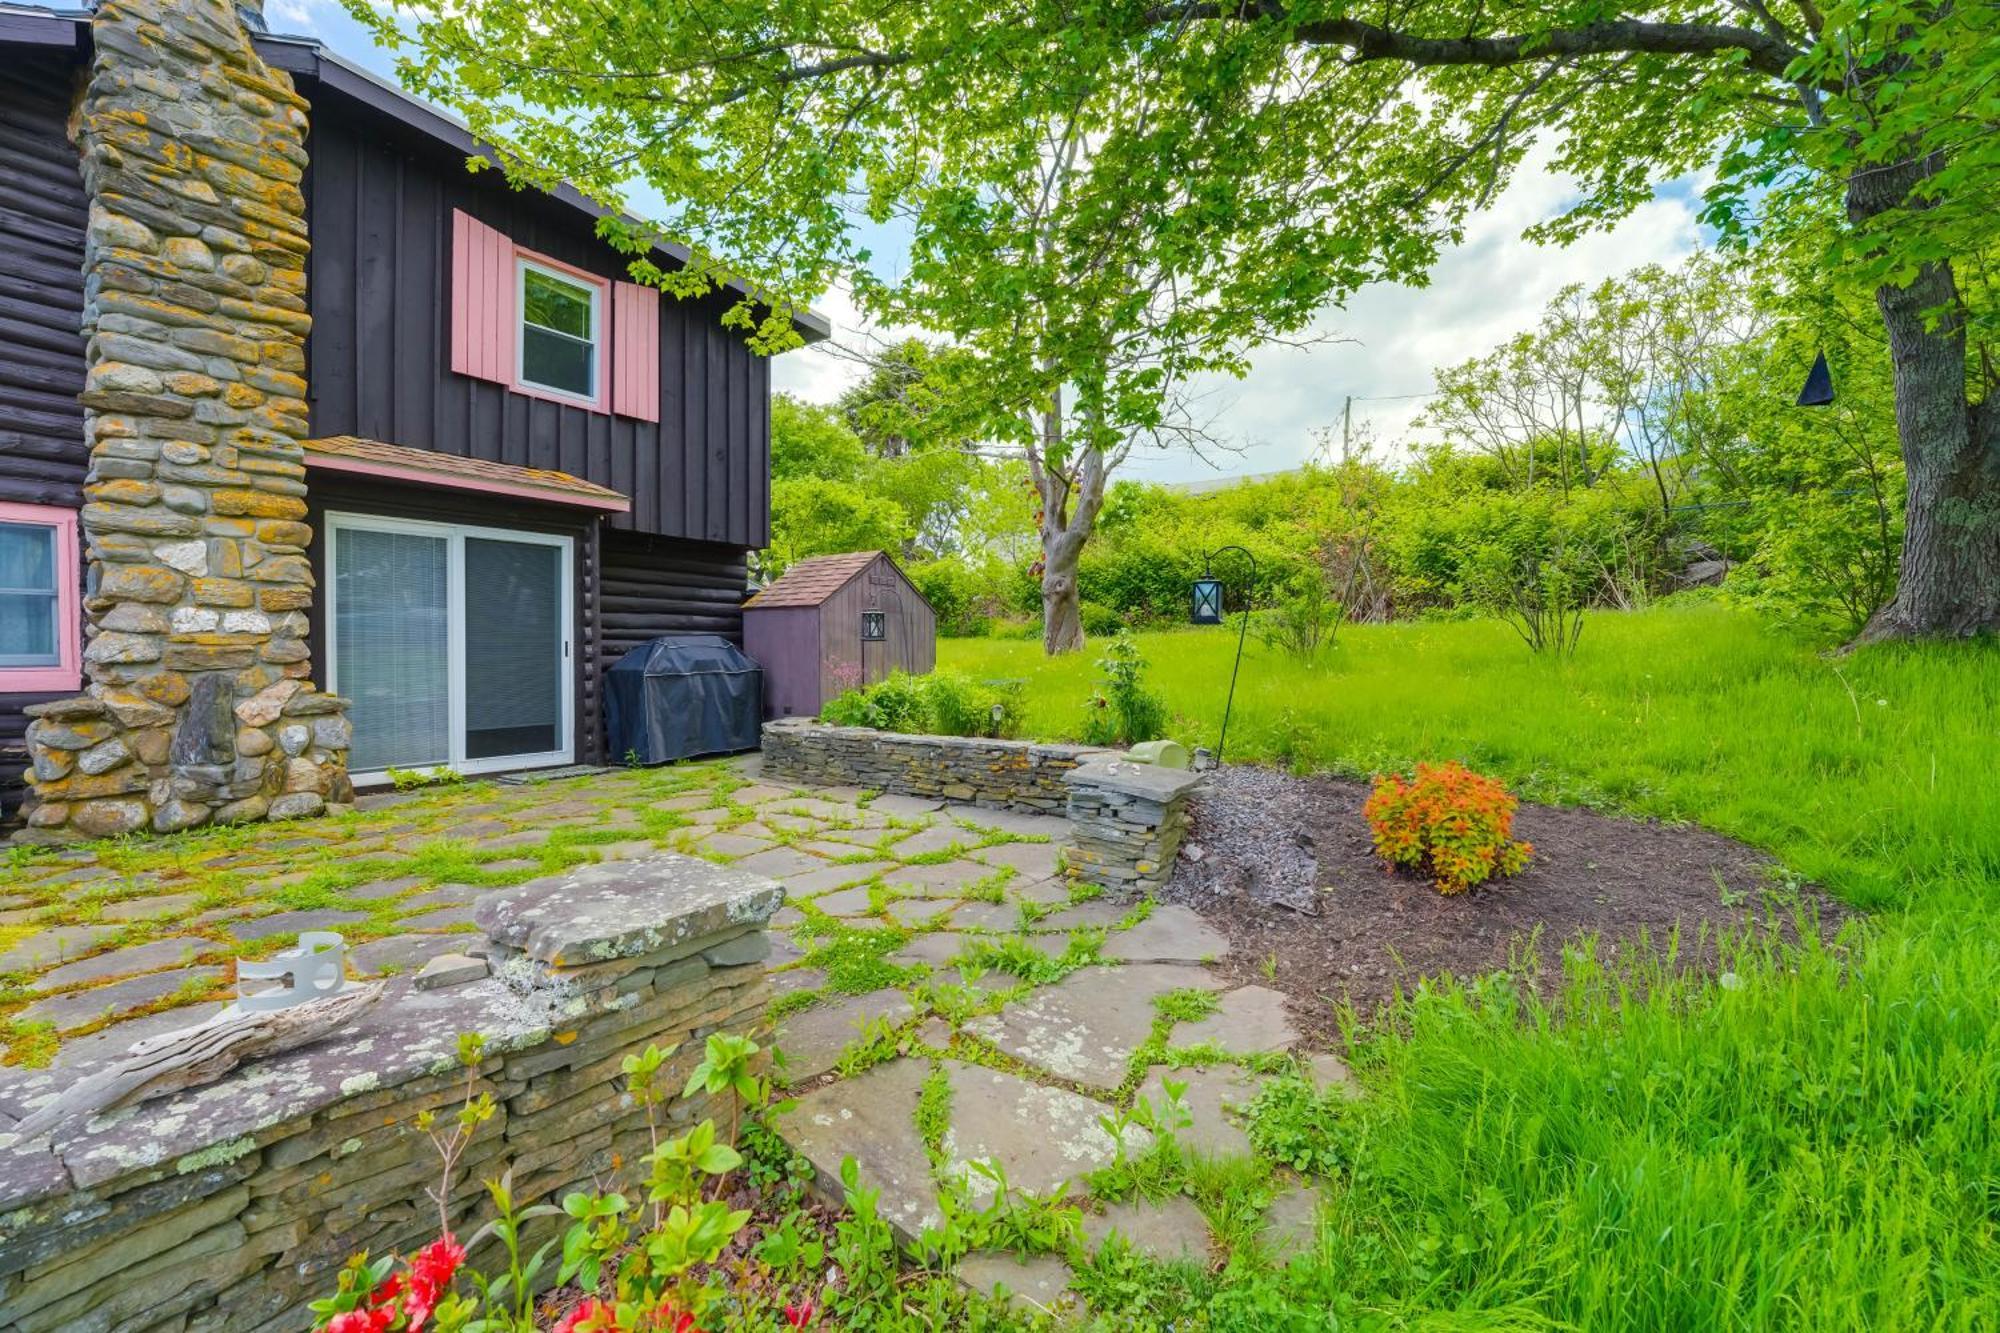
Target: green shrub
x,y
1122,711
1100,620
945,703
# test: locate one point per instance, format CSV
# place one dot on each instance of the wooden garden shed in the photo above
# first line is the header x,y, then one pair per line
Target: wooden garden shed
x,y
833,622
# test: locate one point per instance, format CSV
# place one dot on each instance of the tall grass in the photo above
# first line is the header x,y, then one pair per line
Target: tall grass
x,y
1809,1142
1872,773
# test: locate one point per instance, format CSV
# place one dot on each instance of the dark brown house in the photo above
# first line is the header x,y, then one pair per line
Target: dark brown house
x,y
296,409
833,622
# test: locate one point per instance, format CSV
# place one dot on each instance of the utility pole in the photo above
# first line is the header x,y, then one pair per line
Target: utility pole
x,y
1346,428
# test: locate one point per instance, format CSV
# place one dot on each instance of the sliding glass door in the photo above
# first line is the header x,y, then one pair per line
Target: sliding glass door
x,y
453,643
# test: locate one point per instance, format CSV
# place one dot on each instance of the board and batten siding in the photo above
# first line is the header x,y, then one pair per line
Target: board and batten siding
x,y
381,203
43,454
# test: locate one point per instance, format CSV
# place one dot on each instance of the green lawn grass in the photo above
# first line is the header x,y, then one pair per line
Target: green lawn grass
x,y
1874,773
1811,1141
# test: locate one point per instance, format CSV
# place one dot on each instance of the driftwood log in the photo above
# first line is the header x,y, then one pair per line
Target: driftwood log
x,y
174,1061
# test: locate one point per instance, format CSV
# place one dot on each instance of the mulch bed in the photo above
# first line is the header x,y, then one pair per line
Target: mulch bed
x,y
1261,838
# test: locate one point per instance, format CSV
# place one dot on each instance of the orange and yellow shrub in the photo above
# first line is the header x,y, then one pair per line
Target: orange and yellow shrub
x,y
1448,821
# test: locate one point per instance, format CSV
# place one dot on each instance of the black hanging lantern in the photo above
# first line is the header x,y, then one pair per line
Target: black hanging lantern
x,y
1819,385
1207,610
1207,601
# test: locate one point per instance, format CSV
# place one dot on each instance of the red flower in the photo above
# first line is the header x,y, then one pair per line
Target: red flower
x,y
674,1322
360,1321
431,1271
593,1316
800,1315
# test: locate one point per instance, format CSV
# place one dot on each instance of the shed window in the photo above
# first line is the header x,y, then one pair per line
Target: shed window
x,y
561,328
38,598
873,627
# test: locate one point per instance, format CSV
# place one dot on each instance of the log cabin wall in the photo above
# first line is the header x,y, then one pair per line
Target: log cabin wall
x,y
42,217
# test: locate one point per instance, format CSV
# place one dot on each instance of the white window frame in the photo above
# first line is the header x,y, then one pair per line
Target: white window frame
x,y
455,535
523,265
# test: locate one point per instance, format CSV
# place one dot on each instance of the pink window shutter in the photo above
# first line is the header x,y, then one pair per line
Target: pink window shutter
x,y
635,351
482,300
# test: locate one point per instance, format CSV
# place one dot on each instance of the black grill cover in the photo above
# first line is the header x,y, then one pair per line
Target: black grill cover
x,y
682,695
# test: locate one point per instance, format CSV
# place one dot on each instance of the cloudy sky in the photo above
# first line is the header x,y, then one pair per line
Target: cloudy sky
x,y
1491,286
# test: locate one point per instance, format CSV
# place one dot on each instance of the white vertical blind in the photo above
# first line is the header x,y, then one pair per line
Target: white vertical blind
x,y
513,648
392,637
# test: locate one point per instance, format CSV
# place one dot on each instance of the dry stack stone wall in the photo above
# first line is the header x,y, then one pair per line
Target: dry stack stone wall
x,y
1127,821
1002,775
229,1208
198,706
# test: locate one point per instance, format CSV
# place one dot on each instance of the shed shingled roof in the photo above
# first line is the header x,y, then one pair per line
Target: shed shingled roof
x,y
814,579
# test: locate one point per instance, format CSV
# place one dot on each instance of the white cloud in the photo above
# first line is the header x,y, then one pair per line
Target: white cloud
x,y
1482,291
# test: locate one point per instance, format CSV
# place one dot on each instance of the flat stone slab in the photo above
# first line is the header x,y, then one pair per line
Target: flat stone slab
x,y
988,916
384,888
1041,1137
904,807
1084,914
937,838
120,962
1291,1225
622,909
450,969
87,1006
833,877
47,947
1169,935
947,877
1041,892
150,909
1038,1282
443,918
400,952
1250,1020
872,1118
1215,1130
813,1040
844,902
1171,1230
734,844
920,911
936,949
779,863
786,980
293,923
1086,1026
1010,821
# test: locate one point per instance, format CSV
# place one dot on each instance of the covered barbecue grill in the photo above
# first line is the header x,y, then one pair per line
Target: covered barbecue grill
x,y
682,695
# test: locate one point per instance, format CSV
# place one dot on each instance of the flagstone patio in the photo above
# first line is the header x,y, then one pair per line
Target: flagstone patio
x,y
952,1012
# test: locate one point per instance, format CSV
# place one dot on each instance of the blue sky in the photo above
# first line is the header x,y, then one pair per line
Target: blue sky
x,y
1390,338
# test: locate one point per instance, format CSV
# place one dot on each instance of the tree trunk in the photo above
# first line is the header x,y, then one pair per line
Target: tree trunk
x,y
1070,502
1948,583
1062,605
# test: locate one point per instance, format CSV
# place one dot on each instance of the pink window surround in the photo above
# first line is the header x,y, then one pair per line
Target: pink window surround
x,y
67,674
486,269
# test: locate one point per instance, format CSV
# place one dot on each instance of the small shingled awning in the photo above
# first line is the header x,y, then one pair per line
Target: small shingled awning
x,y
393,462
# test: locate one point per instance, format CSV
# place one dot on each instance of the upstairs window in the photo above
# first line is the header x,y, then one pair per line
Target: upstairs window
x,y
38,599
561,332
874,626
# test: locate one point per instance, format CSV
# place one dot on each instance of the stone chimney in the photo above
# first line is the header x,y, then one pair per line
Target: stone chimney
x,y
198,706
